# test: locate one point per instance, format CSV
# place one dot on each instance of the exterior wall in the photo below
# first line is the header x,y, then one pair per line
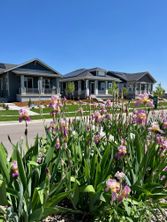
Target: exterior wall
x,y
131,89
34,65
14,86
4,90
147,79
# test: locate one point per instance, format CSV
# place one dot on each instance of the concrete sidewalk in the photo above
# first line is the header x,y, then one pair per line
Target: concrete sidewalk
x,y
16,133
10,123
12,106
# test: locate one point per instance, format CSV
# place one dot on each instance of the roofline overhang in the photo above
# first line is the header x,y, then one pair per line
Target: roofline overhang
x,y
88,78
38,75
147,73
32,60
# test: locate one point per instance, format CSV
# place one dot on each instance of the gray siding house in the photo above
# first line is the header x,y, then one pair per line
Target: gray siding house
x,y
30,80
97,81
36,80
89,82
136,83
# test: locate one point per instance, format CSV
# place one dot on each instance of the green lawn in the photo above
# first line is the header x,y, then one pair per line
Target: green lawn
x,y
67,108
44,116
160,104
8,112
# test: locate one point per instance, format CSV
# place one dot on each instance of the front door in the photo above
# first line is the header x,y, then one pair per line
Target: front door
x,y
92,88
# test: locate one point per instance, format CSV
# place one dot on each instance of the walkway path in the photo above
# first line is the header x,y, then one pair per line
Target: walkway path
x,y
12,106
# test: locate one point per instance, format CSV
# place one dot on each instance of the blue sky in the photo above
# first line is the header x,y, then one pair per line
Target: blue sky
x,y
120,35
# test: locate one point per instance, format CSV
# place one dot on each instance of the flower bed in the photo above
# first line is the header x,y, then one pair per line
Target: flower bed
x,y
98,168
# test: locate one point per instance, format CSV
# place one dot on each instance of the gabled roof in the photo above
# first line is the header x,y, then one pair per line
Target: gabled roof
x,y
11,67
131,76
75,73
5,66
83,73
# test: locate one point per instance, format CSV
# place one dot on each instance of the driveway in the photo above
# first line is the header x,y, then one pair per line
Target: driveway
x,y
16,132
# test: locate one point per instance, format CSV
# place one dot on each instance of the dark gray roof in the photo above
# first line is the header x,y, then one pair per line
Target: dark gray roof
x,y
34,72
11,67
75,73
5,66
78,72
130,76
86,74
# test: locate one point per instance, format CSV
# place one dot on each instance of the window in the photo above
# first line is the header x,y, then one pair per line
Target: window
x,y
100,73
110,85
102,86
142,87
46,83
28,82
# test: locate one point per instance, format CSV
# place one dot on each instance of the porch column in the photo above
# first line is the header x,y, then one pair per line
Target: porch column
x,y
151,88
106,87
96,87
22,90
58,85
40,85
79,87
145,88
87,88
139,88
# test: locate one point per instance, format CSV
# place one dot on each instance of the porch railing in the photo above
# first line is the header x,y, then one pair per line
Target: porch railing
x,y
101,92
37,91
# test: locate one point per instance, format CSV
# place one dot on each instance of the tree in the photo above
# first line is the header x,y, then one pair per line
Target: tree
x,y
70,88
124,92
159,91
114,91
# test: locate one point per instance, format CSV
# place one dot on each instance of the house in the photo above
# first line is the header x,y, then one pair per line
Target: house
x,y
97,81
30,80
89,82
36,80
136,83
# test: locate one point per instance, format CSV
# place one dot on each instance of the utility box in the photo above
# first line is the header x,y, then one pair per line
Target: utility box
x,y
155,101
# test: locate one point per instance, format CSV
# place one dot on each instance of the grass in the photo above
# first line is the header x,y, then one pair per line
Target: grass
x,y
38,117
67,108
132,105
70,111
8,112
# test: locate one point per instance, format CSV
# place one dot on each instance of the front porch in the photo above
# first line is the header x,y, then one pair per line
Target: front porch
x,y
37,88
135,89
86,88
